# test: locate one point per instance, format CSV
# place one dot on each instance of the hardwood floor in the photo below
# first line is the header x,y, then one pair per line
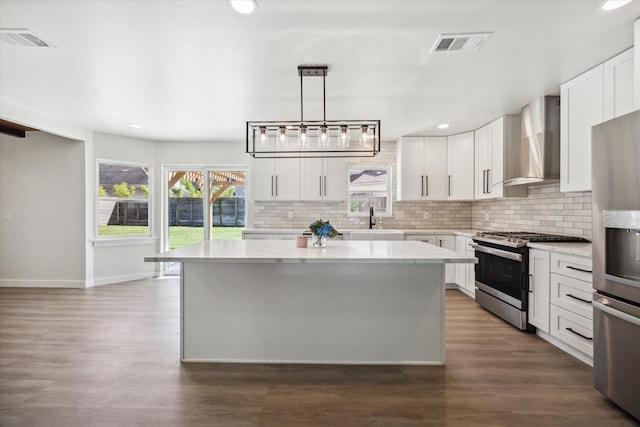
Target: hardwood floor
x,y
108,356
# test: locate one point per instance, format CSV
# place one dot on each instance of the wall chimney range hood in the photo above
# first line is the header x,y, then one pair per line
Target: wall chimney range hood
x,y
539,143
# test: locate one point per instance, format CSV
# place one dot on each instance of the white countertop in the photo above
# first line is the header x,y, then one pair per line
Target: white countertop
x,y
337,251
580,249
462,232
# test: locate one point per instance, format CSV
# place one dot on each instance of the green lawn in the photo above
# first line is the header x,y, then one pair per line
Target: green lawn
x,y
178,236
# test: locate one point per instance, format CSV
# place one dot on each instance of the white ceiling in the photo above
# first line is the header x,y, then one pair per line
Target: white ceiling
x,y
196,70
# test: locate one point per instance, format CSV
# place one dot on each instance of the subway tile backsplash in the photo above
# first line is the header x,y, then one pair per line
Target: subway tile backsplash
x,y
545,209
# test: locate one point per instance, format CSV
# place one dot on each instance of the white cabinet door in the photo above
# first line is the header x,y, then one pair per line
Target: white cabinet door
x,y
461,269
539,295
460,153
335,179
311,177
422,168
618,85
495,174
323,179
448,242
410,168
287,179
581,106
276,179
263,179
482,162
435,168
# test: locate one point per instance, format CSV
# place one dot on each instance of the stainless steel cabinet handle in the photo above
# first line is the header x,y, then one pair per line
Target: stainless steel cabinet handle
x,y
570,267
325,185
422,185
484,181
272,186
426,185
579,334
320,187
448,185
531,283
578,298
488,181
616,313
276,185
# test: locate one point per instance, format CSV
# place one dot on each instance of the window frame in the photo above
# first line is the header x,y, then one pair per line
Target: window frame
x,y
149,199
389,191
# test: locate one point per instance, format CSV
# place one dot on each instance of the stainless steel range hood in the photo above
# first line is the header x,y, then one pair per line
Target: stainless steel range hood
x,y
539,143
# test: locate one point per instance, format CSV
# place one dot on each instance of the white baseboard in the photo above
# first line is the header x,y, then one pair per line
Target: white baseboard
x,y
38,283
121,278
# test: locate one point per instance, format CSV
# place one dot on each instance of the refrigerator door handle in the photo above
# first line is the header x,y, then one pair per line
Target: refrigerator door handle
x,y
617,313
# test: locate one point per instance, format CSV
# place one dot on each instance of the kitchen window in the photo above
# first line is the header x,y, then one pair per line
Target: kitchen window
x,y
370,187
123,199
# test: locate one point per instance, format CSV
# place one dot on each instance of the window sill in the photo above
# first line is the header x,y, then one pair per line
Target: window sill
x,y
124,241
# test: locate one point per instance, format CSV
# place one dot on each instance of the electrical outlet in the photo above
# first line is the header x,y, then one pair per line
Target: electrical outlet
x,y
290,214
426,215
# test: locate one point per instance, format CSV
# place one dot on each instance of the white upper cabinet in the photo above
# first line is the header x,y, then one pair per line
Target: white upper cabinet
x,y
422,168
323,179
618,85
460,165
276,179
600,94
491,142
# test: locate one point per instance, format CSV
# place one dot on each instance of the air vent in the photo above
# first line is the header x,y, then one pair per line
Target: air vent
x,y
21,37
460,42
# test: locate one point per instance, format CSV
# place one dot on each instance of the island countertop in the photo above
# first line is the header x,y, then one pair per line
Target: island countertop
x,y
337,251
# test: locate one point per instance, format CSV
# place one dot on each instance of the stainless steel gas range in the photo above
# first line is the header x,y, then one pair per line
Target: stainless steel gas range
x,y
502,272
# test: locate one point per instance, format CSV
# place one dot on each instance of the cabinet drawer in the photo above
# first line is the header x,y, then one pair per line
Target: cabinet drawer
x,y
572,294
575,330
574,266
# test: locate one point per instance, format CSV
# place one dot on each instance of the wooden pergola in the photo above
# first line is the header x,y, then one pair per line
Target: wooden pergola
x,y
224,179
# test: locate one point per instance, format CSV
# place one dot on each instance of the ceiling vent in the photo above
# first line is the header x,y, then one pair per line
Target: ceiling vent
x,y
470,42
21,37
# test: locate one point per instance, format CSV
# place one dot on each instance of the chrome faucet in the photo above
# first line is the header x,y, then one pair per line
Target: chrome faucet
x,y
372,221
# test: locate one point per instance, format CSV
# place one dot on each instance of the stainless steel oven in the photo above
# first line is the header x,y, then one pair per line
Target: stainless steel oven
x,y
502,273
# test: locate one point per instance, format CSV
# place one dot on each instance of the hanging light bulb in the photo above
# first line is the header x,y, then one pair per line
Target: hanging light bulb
x,y
263,135
344,136
364,137
302,136
282,136
323,137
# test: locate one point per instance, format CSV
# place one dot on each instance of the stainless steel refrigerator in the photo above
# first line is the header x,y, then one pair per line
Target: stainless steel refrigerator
x,y
616,260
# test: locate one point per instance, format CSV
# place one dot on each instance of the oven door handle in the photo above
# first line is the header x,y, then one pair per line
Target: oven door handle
x,y
497,252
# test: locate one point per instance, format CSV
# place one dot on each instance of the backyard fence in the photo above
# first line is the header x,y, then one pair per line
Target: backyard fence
x,y
183,211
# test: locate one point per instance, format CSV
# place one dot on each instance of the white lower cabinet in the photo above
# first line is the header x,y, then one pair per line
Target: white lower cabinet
x,y
570,314
447,241
465,273
539,289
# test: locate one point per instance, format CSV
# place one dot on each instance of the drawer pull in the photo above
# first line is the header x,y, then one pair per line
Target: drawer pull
x,y
571,267
579,334
578,298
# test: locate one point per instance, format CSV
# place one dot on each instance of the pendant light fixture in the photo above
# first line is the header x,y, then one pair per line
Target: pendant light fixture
x,y
319,138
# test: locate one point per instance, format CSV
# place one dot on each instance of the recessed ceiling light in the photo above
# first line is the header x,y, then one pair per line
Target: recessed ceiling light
x,y
135,126
244,7
614,4
443,126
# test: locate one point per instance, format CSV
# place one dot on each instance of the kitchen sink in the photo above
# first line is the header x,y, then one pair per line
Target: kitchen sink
x,y
377,234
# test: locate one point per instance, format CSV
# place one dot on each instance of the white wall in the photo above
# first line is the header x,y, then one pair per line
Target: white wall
x,y
42,211
636,64
120,260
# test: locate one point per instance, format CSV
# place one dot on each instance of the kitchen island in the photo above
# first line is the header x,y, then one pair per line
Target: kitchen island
x,y
356,302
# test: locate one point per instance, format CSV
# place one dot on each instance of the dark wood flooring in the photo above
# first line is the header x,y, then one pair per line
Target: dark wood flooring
x,y
108,356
